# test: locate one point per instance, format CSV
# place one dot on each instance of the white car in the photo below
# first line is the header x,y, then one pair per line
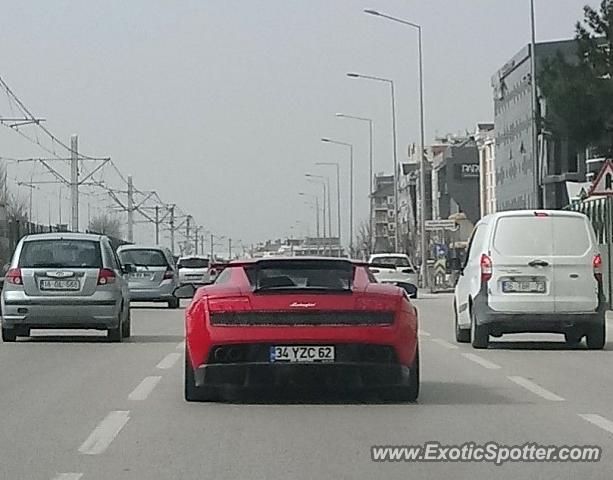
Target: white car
x,y
193,269
531,271
395,268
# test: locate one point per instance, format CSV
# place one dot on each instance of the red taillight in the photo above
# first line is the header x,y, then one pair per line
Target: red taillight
x,y
169,274
229,304
486,268
541,214
597,265
13,276
106,276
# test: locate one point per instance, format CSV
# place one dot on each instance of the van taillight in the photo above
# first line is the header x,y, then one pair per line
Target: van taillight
x,y
13,276
169,274
486,268
597,265
106,276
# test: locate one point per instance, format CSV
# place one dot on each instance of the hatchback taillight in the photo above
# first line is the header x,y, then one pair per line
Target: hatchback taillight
x,y
169,274
13,276
486,268
597,265
106,276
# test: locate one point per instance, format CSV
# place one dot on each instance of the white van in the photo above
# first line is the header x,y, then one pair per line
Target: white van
x,y
531,271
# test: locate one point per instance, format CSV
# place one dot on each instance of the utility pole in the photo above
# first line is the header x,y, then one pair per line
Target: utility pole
x,y
172,228
229,249
196,235
130,209
74,182
202,244
60,205
212,248
157,225
187,229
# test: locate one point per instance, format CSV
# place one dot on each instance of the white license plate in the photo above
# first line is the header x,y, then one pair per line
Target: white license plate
x,y
141,276
302,353
60,285
523,287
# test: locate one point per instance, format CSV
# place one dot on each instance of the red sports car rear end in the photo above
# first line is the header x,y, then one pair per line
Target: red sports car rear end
x,y
286,322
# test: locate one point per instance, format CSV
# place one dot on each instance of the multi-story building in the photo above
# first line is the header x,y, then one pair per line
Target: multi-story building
x,y
486,145
384,225
520,181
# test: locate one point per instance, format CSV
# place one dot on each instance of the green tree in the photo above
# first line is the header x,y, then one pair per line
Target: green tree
x,y
579,91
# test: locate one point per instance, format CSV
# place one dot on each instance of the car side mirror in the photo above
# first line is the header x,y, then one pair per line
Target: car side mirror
x,y
185,291
128,268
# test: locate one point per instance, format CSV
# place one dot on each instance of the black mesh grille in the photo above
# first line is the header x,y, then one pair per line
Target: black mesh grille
x,y
302,318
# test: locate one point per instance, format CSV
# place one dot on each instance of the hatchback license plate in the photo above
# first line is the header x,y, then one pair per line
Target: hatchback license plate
x,y
523,287
141,276
302,353
60,285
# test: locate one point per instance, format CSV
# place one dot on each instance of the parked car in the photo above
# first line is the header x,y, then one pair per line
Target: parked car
x,y
300,322
395,269
193,269
531,271
65,280
155,277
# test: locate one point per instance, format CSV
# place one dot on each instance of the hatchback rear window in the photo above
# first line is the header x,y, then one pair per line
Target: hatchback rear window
x,y
60,254
300,275
193,263
392,261
144,257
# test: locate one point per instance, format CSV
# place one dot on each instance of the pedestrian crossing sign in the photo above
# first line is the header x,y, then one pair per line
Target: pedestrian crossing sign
x,y
603,185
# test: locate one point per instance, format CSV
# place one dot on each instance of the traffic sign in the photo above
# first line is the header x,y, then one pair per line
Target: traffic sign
x,y
603,185
432,225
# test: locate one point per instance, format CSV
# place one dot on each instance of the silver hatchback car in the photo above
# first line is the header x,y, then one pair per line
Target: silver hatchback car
x,y
65,280
155,276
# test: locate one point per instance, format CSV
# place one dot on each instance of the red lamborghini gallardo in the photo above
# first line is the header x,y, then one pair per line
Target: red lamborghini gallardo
x,y
300,322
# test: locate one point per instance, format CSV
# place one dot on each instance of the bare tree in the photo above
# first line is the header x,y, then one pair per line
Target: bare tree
x,y
106,224
363,240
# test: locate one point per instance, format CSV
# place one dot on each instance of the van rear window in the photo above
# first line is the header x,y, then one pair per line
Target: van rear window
x,y
533,236
60,253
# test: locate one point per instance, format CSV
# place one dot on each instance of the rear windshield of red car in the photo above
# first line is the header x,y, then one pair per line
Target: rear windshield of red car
x,y
290,275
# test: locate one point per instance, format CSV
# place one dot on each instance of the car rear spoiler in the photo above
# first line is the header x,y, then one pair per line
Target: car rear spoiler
x,y
381,265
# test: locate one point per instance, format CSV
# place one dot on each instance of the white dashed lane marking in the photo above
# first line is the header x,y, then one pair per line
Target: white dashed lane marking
x,y
481,361
444,343
144,388
536,389
168,361
106,431
598,420
67,476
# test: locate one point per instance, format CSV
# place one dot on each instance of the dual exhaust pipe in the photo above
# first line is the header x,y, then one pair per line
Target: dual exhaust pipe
x,y
227,354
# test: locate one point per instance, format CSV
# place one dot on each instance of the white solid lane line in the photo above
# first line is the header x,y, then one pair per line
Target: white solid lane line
x,y
423,333
481,361
536,389
67,476
102,436
444,343
144,388
181,345
168,361
598,420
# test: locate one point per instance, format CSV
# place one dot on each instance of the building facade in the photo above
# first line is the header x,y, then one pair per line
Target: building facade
x,y
384,225
486,146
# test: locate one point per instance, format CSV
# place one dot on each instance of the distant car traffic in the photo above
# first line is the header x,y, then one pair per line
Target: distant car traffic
x,y
65,280
396,269
193,269
531,271
155,276
300,322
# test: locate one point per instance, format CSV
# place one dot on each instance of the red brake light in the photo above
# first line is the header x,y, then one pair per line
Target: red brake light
x,y
13,276
229,304
169,274
541,214
486,268
597,265
106,276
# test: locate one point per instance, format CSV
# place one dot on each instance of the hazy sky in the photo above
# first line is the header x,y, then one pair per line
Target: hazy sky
x,y
220,105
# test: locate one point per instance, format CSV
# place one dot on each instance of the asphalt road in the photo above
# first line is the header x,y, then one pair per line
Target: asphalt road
x,y
76,407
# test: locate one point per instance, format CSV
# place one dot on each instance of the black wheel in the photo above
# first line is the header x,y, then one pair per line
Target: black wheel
x,y
462,335
174,303
192,392
479,335
126,330
572,339
405,393
8,334
22,331
115,334
596,336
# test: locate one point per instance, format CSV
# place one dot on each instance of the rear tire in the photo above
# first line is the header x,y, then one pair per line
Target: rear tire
x,y
596,337
22,331
406,393
192,392
115,334
126,331
174,303
572,339
479,334
462,335
8,334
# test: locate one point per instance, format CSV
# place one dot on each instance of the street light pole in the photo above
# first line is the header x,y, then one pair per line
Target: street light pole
x,y
345,144
422,128
395,145
325,181
539,201
370,171
338,195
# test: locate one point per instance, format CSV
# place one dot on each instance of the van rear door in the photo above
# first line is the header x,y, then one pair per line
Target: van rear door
x,y
576,288
522,257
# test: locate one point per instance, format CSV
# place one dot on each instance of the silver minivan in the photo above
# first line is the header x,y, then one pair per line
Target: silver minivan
x,y
531,271
155,275
65,280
